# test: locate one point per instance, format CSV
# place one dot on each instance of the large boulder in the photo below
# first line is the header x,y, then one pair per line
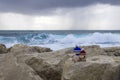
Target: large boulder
x,y
45,70
12,69
48,65
20,48
96,68
13,66
44,66
3,48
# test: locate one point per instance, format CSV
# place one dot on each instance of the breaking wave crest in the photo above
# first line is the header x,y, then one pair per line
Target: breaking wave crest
x,y
69,39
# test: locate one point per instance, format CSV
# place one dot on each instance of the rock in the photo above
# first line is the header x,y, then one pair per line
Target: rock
x,y
92,50
11,69
112,51
48,65
37,63
45,70
13,66
20,48
3,49
117,54
49,68
96,68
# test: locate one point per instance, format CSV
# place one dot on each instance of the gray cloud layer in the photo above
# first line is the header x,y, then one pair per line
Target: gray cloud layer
x,y
39,6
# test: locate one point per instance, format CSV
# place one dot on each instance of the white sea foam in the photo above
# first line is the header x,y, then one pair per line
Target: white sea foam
x,y
61,41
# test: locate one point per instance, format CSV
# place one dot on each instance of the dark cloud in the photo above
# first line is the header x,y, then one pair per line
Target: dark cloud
x,y
41,6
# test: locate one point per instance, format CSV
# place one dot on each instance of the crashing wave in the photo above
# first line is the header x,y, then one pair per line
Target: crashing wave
x,y
62,39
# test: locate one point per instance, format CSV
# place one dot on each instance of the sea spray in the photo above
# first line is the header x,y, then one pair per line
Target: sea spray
x,y
62,40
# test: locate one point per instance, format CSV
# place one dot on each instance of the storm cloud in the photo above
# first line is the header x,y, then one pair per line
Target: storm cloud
x,y
47,6
94,17
59,14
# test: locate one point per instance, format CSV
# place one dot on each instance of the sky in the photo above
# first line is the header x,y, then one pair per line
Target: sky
x,y
59,14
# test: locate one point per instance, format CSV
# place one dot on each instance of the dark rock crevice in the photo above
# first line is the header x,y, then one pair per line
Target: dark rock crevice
x,y
3,49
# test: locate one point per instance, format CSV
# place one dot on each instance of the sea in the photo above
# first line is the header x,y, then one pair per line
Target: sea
x,y
60,39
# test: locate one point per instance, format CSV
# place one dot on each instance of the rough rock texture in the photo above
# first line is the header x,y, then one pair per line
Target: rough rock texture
x,y
13,66
3,49
112,51
49,65
24,62
96,68
45,70
11,69
20,48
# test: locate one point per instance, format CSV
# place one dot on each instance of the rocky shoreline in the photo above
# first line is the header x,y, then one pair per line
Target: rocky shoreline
x,y
22,62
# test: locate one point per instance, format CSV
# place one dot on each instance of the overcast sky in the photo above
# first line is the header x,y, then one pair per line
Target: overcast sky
x,y
59,14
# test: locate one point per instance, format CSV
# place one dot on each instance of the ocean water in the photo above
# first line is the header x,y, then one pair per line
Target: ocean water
x,y
59,39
